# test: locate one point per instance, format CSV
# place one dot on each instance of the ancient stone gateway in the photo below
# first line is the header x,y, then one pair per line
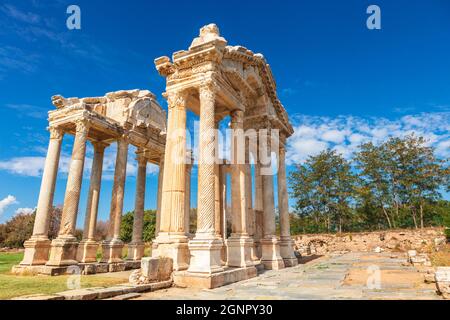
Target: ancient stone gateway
x,y
214,81
126,117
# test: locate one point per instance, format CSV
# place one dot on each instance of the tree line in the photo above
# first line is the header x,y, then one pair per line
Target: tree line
x,y
396,184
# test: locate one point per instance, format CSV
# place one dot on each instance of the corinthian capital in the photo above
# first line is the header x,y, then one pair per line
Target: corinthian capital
x,y
208,90
177,99
82,126
56,133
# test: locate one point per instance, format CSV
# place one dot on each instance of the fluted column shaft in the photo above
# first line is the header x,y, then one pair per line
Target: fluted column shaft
x,y
115,216
160,183
268,198
90,222
74,180
238,175
138,221
206,165
187,201
38,246
174,179
47,191
283,203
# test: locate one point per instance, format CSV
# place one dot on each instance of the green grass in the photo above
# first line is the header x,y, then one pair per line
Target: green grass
x,y
14,286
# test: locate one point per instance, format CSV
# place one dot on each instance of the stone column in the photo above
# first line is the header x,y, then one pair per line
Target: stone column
x,y
172,241
160,182
222,209
206,246
239,244
258,210
64,247
187,201
251,218
270,244
286,243
38,246
112,246
87,249
137,246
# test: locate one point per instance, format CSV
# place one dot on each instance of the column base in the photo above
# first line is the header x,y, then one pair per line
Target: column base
x,y
63,252
239,251
36,252
211,281
135,251
87,251
271,258
287,252
174,246
112,251
205,254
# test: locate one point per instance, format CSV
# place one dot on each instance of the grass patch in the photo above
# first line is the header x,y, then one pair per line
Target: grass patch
x,y
8,260
442,257
14,286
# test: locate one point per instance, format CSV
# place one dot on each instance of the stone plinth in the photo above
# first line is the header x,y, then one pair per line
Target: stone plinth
x,y
215,280
271,257
287,252
36,252
205,256
174,247
135,251
112,251
239,252
87,251
63,252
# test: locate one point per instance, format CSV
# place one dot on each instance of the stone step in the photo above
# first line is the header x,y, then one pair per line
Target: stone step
x,y
127,296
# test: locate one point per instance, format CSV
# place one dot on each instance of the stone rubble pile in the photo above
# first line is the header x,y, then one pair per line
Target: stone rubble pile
x,y
426,240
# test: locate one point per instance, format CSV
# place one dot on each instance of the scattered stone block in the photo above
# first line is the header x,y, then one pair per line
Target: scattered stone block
x,y
442,277
101,268
39,297
429,276
127,296
117,267
156,269
110,292
80,294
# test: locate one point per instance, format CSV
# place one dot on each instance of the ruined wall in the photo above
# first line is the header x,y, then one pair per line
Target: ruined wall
x,y
425,240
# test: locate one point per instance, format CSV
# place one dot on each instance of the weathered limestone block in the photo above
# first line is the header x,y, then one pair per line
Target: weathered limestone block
x,y
411,254
442,277
421,259
429,276
156,269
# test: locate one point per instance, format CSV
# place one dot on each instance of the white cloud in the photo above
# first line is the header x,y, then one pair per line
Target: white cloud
x,y
6,202
25,166
24,211
345,133
33,166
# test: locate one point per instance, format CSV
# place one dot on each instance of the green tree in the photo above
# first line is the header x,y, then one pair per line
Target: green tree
x,y
323,189
126,227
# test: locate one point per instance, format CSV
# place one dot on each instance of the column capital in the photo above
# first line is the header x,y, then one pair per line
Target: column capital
x,y
99,146
177,99
56,133
208,89
237,116
141,159
82,125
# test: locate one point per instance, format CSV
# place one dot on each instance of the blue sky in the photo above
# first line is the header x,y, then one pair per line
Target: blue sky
x,y
341,83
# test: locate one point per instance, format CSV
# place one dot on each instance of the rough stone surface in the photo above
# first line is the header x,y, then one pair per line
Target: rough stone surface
x,y
426,240
154,269
443,281
336,276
